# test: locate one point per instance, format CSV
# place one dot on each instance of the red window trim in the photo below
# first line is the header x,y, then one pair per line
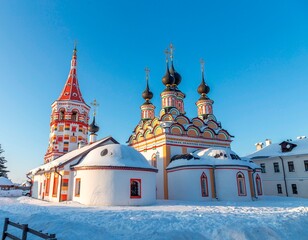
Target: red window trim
x,y
238,184
139,187
77,194
55,185
258,180
40,192
206,192
47,186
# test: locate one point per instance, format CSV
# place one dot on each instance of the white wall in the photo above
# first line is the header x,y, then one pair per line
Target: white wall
x,y
112,187
186,185
160,166
37,180
226,184
298,177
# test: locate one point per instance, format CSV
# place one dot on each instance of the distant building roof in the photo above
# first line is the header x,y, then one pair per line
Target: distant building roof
x,y
5,182
297,147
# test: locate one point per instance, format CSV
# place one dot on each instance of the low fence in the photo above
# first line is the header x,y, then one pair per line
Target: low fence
x,y
25,230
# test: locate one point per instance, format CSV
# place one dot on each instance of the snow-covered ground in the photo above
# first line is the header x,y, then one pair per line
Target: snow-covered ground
x,y
270,218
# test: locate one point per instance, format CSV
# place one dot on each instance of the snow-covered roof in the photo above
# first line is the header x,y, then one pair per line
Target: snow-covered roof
x,y
5,181
26,184
274,150
215,156
115,155
73,155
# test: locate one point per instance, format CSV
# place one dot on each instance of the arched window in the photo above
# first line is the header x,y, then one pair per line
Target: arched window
x,y
204,185
55,185
61,115
259,185
77,187
47,185
74,116
135,188
154,160
241,186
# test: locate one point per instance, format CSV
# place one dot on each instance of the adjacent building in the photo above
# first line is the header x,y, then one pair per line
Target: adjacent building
x,y
284,167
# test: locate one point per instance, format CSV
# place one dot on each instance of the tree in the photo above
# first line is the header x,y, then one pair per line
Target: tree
x,y
3,171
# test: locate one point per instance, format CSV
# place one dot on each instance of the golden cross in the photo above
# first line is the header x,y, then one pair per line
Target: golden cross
x,y
202,62
167,53
147,71
95,104
171,51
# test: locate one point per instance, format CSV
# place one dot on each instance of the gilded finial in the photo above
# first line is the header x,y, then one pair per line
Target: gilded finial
x,y
171,51
202,62
147,72
95,104
75,48
167,53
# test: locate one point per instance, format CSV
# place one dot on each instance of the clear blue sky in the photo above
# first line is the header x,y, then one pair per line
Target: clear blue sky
x,y
256,55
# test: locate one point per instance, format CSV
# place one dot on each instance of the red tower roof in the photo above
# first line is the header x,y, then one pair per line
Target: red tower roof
x,y
71,89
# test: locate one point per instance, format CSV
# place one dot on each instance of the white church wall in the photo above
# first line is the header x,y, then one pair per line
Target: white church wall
x,y
186,185
175,150
71,183
160,166
35,186
226,184
112,187
38,187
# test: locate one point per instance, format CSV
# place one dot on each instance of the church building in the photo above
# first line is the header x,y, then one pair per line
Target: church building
x,y
173,136
170,156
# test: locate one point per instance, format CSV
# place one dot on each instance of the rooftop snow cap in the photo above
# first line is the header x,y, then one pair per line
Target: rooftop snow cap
x,y
217,156
218,153
115,155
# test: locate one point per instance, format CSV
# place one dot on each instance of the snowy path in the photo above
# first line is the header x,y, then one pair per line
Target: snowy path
x,y
272,218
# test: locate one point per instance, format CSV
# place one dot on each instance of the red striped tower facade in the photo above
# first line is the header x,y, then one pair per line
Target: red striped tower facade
x,y
69,118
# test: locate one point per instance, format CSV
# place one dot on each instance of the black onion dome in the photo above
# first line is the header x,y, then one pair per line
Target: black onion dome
x,y
168,78
203,88
176,75
147,94
92,127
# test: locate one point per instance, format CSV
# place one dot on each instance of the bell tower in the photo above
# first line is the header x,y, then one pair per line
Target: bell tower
x,y
69,117
147,108
204,104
